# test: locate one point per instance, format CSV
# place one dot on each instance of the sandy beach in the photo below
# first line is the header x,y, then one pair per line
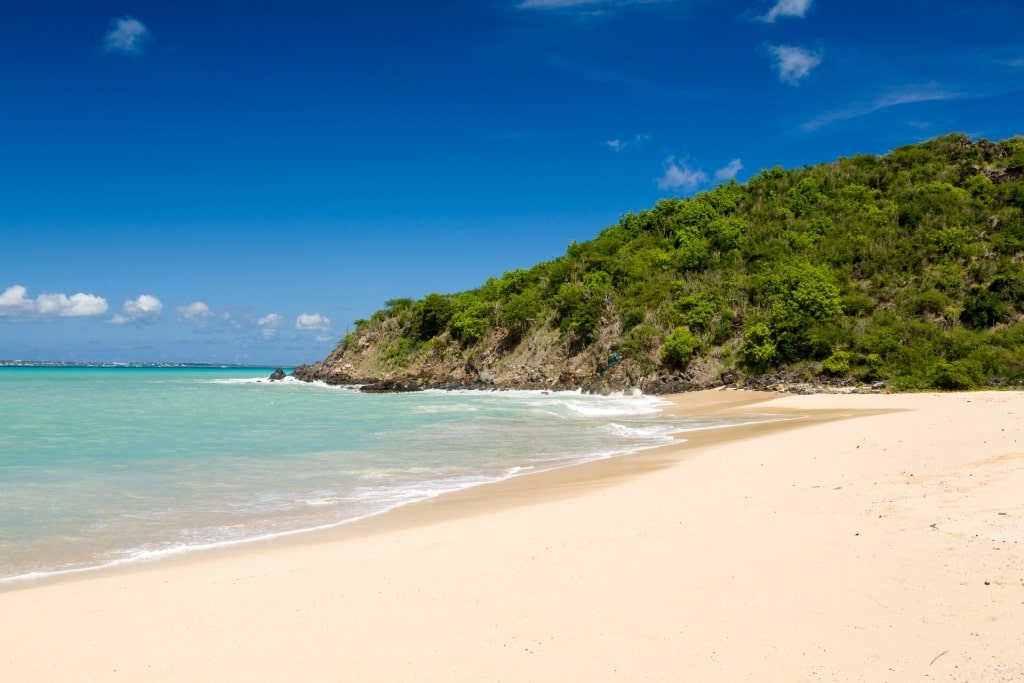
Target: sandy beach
x,y
876,538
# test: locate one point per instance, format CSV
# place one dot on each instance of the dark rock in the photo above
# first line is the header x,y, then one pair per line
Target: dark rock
x,y
277,375
389,386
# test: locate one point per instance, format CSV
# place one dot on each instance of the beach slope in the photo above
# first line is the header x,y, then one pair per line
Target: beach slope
x,y
879,538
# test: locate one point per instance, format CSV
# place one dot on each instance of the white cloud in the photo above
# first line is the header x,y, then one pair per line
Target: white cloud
x,y
74,306
636,141
195,312
729,171
794,63
14,302
127,35
144,309
787,8
270,324
312,321
272,320
680,176
927,93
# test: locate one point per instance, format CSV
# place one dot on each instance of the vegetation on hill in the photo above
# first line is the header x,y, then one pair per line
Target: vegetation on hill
x,y
906,268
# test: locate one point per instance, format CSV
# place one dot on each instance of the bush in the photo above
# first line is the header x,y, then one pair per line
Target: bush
x,y
959,375
679,348
726,234
982,309
638,342
838,364
435,311
875,364
469,328
758,348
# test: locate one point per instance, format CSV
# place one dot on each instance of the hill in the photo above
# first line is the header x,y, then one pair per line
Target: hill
x,y
905,269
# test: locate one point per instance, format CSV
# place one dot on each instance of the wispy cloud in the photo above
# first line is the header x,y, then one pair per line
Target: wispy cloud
x,y
312,321
729,171
15,303
126,35
142,310
786,8
271,320
196,313
679,176
794,63
635,141
270,324
910,95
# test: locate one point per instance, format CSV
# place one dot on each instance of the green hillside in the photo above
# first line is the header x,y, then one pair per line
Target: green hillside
x,y
906,268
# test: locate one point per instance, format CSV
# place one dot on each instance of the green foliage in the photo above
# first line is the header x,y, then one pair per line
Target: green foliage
x,y
521,309
758,350
982,308
579,309
726,234
399,351
838,364
907,267
957,375
433,314
638,342
804,197
874,364
679,348
398,304
812,293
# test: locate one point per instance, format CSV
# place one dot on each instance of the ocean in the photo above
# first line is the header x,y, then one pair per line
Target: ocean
x,y
101,466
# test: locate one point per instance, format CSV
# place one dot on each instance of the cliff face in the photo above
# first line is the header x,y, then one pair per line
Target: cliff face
x,y
538,361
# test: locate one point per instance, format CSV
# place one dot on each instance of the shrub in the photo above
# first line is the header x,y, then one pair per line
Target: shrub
x,y
469,328
638,342
982,309
758,349
433,315
838,364
678,348
874,365
958,375
726,234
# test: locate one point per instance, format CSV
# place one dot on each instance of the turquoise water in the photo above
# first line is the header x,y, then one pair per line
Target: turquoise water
x,y
101,466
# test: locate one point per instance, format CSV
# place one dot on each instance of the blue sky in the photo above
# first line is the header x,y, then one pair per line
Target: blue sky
x,y
226,181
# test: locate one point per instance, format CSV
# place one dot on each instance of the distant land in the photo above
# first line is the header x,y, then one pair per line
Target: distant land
x,y
903,271
114,364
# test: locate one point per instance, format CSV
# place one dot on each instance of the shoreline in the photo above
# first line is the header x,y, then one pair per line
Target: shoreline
x,y
712,403
885,547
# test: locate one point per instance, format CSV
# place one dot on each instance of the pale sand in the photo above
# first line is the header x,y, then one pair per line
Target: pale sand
x,y
884,547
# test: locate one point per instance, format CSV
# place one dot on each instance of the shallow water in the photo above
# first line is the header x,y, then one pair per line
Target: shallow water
x,y
101,466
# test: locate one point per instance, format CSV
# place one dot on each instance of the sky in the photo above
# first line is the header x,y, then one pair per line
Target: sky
x,y
238,182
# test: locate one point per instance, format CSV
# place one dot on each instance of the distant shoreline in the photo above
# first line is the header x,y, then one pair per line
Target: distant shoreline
x,y
118,364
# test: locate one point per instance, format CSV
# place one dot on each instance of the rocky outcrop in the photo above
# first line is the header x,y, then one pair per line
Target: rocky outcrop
x,y
541,361
540,364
